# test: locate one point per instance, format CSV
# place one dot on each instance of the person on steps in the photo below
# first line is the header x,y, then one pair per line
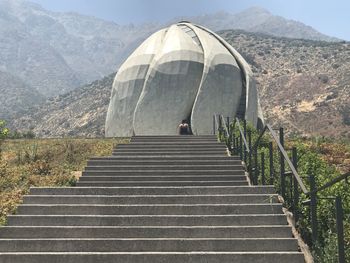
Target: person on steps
x,y
184,128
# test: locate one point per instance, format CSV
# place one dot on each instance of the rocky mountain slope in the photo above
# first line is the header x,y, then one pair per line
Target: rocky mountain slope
x,y
81,112
25,56
259,20
54,53
304,85
85,47
19,95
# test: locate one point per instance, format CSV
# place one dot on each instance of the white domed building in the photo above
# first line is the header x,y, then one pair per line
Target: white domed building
x,y
181,72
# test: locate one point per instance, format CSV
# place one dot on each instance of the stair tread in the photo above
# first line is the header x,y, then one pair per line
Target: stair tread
x,y
154,205
189,195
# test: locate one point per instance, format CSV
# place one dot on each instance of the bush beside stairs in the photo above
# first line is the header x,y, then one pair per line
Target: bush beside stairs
x,y
157,199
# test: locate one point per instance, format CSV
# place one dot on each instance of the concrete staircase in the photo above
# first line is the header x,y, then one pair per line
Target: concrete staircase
x,y
158,199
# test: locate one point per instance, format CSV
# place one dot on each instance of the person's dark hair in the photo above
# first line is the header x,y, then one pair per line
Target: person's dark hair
x,y
184,121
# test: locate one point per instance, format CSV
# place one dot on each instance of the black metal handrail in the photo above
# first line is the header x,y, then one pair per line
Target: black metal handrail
x,y
312,202
331,183
216,125
218,121
280,147
291,195
222,120
286,157
242,133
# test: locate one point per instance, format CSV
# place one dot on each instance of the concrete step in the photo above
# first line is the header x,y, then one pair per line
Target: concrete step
x,y
154,257
203,141
193,151
147,220
161,190
179,167
170,149
149,245
184,144
213,139
148,209
159,183
183,139
164,178
168,154
279,231
126,172
192,145
174,143
162,162
167,158
171,153
149,199
173,137
162,140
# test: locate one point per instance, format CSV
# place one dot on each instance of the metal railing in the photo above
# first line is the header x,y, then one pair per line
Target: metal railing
x,y
289,183
312,202
218,127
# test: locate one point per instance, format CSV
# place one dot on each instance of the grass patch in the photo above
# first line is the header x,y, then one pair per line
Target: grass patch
x,y
44,162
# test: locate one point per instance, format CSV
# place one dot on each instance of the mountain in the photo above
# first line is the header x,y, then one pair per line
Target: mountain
x,y
259,20
304,86
81,112
34,62
53,53
57,52
19,95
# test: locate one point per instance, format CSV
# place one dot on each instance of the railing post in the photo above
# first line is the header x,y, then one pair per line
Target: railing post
x,y
282,166
228,133
245,136
233,139
214,125
240,146
250,153
340,229
313,208
233,136
295,186
256,166
271,163
228,124
262,168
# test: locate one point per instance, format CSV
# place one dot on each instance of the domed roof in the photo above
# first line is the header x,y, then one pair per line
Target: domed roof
x,y
181,72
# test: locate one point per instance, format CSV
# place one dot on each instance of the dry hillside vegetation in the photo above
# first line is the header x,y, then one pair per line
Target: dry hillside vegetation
x,y
43,162
304,85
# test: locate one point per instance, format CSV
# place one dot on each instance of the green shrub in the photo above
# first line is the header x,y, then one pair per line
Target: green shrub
x,y
315,157
4,131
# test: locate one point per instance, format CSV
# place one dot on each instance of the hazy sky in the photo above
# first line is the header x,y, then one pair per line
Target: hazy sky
x,y
331,17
